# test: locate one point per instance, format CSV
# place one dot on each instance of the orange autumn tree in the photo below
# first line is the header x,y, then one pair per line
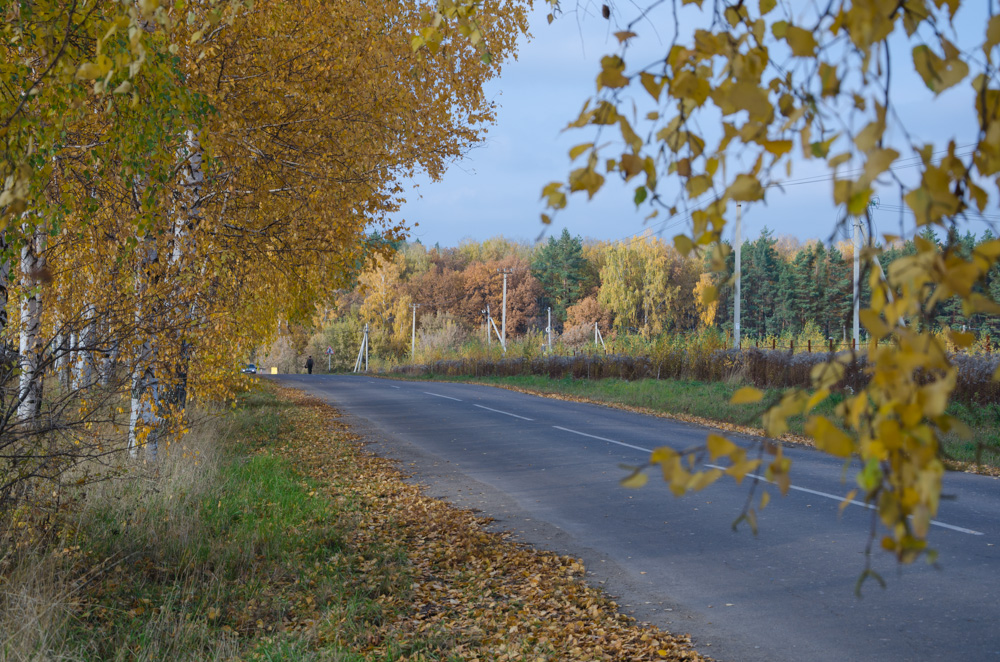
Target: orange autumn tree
x,y
740,98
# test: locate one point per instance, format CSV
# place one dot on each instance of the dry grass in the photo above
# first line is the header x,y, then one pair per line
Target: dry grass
x,y
47,576
269,535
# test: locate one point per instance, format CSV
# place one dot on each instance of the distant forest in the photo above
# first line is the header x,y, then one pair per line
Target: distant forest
x,y
642,287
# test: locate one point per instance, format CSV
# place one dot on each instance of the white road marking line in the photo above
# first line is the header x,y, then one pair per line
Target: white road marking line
x,y
855,502
391,386
505,413
438,395
806,490
610,441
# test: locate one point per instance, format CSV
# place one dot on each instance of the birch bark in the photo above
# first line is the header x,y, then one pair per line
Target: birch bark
x,y
144,419
31,345
186,222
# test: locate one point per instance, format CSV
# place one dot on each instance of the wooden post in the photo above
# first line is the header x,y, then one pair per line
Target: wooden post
x,y
809,345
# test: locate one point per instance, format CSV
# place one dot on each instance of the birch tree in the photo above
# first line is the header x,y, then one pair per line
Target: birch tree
x,y
31,339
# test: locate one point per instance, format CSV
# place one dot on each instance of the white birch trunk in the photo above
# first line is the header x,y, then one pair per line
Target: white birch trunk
x,y
84,360
72,367
8,361
186,221
61,356
4,283
109,363
31,344
144,419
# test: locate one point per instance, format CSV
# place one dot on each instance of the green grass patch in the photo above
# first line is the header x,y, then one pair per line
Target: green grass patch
x,y
225,551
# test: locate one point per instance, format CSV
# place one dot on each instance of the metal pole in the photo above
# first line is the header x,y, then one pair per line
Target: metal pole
x,y
366,348
857,279
361,350
738,240
497,331
489,320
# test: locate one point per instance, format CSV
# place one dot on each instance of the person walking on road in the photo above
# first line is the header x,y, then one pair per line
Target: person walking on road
x,y
309,364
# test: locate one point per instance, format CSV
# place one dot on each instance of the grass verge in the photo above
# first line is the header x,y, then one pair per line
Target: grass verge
x,y
708,403
270,535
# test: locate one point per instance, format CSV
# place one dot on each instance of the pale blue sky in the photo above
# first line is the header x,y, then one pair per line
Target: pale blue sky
x,y
496,188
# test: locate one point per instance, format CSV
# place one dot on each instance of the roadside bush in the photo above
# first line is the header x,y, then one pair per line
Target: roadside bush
x,y
578,336
439,333
702,357
975,378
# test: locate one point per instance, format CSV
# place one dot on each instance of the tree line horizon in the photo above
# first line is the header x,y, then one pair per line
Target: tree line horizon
x,y
642,286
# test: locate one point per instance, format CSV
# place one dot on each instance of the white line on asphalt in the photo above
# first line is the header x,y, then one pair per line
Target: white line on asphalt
x,y
391,386
610,441
505,413
806,490
438,395
855,502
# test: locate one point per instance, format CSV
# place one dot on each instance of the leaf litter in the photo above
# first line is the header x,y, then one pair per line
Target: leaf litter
x,y
472,594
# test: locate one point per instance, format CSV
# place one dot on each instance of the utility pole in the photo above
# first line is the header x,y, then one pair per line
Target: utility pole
x,y
738,240
413,331
491,323
857,279
503,315
362,359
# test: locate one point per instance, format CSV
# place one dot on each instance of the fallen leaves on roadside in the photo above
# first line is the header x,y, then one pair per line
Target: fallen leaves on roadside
x,y
473,594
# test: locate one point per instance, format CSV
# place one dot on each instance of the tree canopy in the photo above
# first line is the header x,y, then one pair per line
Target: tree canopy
x,y
180,180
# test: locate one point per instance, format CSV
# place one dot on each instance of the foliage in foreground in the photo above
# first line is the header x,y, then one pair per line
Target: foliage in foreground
x,y
275,537
741,96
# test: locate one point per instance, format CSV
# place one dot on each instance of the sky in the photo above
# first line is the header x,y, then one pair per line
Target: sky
x,y
495,189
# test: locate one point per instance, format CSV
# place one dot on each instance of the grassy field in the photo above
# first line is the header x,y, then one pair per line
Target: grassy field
x,y
269,534
709,403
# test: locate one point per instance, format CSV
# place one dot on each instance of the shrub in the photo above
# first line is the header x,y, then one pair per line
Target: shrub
x,y
439,333
700,356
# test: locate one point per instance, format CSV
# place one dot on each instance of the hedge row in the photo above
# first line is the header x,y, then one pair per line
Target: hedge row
x,y
759,367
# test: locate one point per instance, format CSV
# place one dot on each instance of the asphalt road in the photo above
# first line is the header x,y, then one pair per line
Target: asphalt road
x,y
548,471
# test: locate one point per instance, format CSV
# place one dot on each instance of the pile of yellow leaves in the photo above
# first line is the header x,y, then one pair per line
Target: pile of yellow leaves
x,y
474,593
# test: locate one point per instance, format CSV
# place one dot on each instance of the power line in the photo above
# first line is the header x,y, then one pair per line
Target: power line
x,y
902,164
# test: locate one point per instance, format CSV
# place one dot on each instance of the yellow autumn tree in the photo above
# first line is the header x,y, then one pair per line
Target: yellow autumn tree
x,y
647,285
178,178
386,306
707,306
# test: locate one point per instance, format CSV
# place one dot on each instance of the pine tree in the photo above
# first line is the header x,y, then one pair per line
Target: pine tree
x,y
560,268
761,274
